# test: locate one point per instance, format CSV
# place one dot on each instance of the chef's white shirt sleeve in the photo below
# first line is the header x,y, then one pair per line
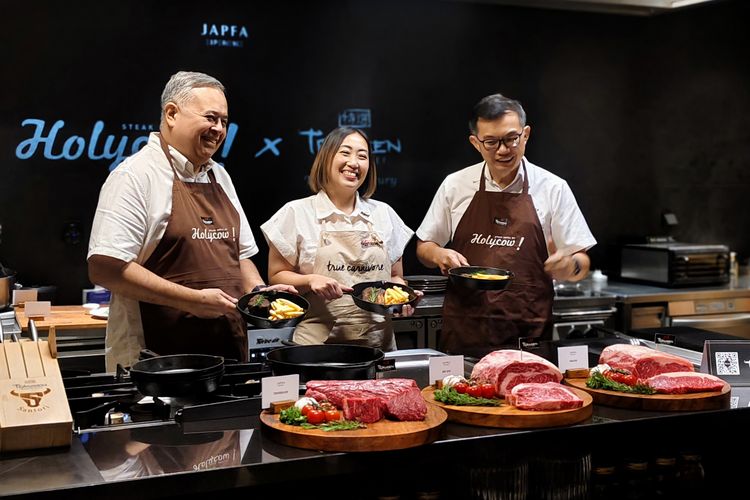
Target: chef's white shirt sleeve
x,y
281,232
399,236
248,246
570,232
436,225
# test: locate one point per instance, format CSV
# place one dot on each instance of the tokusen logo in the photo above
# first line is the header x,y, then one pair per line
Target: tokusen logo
x,y
224,35
32,399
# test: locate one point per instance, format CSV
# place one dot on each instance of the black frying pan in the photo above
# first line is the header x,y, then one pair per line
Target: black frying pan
x,y
178,375
326,362
356,294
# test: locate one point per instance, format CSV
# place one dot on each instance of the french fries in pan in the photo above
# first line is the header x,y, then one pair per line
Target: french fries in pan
x,y
284,309
395,295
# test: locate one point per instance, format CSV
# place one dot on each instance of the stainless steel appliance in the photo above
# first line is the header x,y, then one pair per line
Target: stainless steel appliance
x,y
578,308
722,315
675,264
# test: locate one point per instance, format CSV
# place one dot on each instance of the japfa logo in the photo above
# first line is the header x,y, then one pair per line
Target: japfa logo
x,y
224,35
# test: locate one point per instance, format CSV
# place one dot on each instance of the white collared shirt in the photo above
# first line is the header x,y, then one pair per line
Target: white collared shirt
x,y
295,229
556,207
135,203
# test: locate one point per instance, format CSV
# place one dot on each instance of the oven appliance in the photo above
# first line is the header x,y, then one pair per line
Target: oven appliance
x,y
674,264
578,308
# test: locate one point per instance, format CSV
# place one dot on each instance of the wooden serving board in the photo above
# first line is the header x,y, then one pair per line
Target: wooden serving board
x,y
62,317
509,417
656,402
379,436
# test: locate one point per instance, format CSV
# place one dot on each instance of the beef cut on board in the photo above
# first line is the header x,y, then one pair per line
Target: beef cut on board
x,y
507,368
684,382
548,396
643,362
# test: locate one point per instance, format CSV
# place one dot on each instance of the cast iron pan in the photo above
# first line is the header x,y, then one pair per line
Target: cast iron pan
x,y
326,362
177,375
259,317
381,308
459,276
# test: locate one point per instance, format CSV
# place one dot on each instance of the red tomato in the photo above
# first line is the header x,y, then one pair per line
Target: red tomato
x,y
333,415
461,387
488,391
475,391
306,409
316,417
623,378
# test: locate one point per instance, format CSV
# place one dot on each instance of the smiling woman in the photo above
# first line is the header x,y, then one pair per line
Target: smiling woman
x,y
326,243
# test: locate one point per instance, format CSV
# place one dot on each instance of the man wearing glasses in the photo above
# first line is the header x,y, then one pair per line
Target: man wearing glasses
x,y
170,239
503,212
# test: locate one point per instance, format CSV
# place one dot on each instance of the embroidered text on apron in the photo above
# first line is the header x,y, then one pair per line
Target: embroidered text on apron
x,y
499,229
199,249
349,257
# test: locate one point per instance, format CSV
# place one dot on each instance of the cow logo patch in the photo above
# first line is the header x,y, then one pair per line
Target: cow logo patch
x,y
501,221
207,220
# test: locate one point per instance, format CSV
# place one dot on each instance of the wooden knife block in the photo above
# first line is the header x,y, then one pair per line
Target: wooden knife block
x,y
34,410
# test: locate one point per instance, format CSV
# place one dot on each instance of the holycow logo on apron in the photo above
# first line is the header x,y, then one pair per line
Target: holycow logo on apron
x,y
207,220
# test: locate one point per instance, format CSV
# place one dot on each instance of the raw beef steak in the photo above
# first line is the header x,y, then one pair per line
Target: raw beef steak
x,y
684,382
367,410
548,396
507,368
643,362
399,398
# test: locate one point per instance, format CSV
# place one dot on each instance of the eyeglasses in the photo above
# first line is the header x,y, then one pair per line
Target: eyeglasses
x,y
212,118
510,141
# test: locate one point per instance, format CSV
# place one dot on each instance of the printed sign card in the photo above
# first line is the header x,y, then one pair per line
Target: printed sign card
x,y
664,339
442,366
528,344
282,388
20,297
572,357
37,309
727,359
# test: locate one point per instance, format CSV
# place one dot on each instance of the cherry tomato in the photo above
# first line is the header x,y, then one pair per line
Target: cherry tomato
x,y
315,416
488,390
333,415
474,391
623,378
306,409
461,387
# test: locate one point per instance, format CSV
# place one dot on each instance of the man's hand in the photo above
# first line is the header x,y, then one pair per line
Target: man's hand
x,y
280,288
448,259
561,266
326,287
213,303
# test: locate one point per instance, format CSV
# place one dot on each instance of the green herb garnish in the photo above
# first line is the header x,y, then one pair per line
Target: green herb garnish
x,y
450,396
257,300
598,381
337,425
292,416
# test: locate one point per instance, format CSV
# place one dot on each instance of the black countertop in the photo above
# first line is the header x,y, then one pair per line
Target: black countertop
x,y
204,461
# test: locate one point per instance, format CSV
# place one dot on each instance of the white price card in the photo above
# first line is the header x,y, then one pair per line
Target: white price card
x,y
571,357
37,309
282,388
442,366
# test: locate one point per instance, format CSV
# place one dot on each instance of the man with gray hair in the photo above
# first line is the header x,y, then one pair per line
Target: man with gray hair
x,y
170,239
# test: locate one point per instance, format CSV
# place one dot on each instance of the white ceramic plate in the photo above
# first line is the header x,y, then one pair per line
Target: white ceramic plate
x,y
100,313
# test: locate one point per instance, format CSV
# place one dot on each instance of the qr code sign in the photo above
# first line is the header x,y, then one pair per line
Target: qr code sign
x,y
727,363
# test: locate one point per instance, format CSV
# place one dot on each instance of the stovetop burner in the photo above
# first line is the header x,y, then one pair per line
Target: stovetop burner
x,y
111,401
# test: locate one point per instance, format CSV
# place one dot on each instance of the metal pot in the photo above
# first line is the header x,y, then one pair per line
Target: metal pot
x,y
7,285
178,375
327,362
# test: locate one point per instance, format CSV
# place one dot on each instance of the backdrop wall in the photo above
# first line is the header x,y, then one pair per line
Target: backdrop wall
x,y
640,115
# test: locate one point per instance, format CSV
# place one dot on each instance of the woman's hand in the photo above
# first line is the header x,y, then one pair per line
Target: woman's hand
x,y
280,288
409,309
326,287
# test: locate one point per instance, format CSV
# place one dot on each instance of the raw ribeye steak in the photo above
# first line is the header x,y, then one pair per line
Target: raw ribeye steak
x,y
507,368
684,382
399,398
643,362
549,396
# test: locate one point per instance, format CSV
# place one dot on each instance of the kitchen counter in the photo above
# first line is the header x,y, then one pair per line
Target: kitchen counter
x,y
115,464
635,293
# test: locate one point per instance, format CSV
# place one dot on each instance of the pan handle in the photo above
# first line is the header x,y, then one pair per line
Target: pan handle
x,y
147,354
33,331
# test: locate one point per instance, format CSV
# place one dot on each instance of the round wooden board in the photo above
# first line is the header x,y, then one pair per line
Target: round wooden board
x,y
656,402
509,417
382,435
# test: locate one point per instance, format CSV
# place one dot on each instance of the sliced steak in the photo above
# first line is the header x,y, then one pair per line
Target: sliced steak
x,y
643,362
507,368
684,382
549,396
367,410
399,398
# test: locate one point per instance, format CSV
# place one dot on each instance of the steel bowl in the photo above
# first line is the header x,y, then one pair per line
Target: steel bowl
x,y
252,315
462,276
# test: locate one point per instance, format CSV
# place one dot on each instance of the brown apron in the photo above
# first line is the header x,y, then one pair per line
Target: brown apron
x,y
349,257
200,249
499,229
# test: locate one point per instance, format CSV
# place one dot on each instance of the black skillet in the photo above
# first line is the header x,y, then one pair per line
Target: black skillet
x,y
327,362
177,375
356,294
259,317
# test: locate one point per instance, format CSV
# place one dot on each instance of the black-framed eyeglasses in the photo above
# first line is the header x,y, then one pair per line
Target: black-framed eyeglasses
x,y
511,141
